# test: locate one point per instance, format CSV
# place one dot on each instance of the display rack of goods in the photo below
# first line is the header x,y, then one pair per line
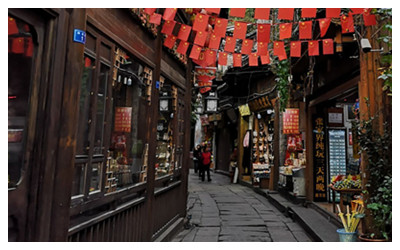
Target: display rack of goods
x,y
341,182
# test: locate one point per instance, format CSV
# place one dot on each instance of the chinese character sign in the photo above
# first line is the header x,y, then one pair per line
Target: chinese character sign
x,y
320,192
123,119
291,121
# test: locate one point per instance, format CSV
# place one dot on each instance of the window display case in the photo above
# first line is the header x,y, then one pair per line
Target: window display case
x,y
262,153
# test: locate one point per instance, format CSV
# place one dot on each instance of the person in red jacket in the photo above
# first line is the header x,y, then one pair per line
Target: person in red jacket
x,y
206,161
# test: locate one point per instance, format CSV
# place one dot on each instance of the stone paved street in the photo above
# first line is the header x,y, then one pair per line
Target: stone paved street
x,y
222,211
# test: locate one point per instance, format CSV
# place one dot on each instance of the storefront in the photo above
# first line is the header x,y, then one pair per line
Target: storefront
x,y
94,154
334,148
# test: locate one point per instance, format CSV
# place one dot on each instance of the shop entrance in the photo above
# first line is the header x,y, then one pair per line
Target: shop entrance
x,y
336,152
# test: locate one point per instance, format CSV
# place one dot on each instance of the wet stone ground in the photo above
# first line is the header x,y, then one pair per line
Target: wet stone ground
x,y
221,211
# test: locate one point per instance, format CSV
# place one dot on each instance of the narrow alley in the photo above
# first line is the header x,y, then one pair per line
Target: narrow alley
x,y
222,211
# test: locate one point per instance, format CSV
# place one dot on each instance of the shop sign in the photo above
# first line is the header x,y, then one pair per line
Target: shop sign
x,y
320,187
291,121
79,36
335,117
123,119
244,110
214,117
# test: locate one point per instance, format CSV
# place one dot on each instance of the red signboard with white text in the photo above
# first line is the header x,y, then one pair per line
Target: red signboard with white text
x,y
291,121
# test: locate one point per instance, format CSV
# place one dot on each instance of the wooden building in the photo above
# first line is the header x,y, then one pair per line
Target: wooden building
x,y
92,155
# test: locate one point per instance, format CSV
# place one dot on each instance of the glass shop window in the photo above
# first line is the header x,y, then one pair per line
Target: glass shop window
x,y
20,52
94,101
166,149
127,152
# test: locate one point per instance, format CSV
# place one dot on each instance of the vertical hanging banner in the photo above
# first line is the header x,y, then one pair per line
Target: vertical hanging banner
x,y
291,121
204,77
320,185
123,119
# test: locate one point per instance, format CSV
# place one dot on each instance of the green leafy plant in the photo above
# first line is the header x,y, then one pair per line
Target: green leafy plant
x,y
281,69
377,147
385,37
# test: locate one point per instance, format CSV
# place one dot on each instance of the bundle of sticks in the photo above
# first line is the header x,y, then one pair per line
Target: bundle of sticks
x,y
353,219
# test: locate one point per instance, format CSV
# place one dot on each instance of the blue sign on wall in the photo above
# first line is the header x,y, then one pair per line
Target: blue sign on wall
x,y
79,36
157,84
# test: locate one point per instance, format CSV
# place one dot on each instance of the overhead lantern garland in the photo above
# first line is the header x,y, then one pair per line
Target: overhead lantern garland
x,y
208,29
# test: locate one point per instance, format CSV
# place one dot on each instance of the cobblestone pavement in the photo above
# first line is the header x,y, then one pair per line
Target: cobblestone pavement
x,y
222,211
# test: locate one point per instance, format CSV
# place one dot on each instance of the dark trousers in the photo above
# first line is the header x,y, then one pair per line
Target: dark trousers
x,y
205,168
196,165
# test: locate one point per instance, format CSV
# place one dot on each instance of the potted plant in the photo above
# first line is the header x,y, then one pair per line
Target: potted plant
x,y
377,147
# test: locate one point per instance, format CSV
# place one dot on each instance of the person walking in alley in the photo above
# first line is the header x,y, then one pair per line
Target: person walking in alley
x,y
206,161
196,158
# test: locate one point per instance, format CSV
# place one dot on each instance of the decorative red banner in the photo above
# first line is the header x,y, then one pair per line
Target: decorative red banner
x,y
324,25
369,19
247,46
168,27
305,30
213,10
262,48
169,14
184,32
313,48
279,49
332,12
169,42
214,41
195,52
123,119
200,22
155,19
220,27
347,23
263,32
261,13
265,59
200,38
295,49
237,12
204,87
182,47
211,57
327,46
150,11
240,30
253,59
222,58
230,44
286,13
285,30
237,60
308,12
291,121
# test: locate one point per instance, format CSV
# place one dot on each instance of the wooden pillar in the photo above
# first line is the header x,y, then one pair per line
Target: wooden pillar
x,y
274,176
64,167
151,137
370,88
186,143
